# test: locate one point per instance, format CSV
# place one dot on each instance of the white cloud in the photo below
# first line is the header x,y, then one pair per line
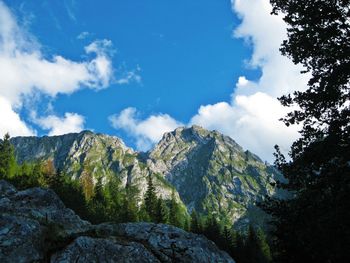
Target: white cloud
x,y
71,122
130,76
146,132
83,35
25,70
265,33
10,121
101,66
251,120
252,116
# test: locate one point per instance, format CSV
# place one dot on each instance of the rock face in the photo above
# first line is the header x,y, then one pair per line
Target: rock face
x,y
209,171
90,155
35,226
212,172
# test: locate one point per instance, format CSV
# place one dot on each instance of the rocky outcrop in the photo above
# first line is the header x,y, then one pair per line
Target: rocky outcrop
x,y
35,226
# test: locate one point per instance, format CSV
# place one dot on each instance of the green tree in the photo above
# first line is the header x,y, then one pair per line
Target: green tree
x,y
314,226
87,184
213,229
50,178
187,223
97,204
162,212
239,252
257,249
174,212
130,211
8,163
151,199
196,226
71,193
227,242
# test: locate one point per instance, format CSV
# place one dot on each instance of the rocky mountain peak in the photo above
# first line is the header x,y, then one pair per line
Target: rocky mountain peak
x,y
212,172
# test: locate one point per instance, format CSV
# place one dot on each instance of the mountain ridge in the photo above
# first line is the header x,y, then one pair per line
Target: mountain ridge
x,y
209,171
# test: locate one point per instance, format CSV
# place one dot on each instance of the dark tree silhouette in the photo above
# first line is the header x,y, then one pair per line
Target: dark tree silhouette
x,y
314,225
151,199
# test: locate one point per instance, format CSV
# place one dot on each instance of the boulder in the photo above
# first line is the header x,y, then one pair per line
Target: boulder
x,y
167,243
87,249
35,226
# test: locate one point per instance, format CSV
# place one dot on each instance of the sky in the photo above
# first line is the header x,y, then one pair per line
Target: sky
x,y
138,69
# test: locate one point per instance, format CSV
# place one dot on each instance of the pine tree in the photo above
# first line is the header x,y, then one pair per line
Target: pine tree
x,y
151,199
130,209
227,240
239,250
187,224
99,191
7,158
37,174
113,199
264,248
257,249
174,213
196,226
212,229
70,192
162,212
97,205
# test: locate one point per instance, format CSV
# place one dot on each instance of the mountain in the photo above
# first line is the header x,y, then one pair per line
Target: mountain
x,y
213,173
208,171
87,154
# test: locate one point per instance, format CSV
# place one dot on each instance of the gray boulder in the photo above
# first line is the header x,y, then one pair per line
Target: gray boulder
x,y
87,249
167,243
35,226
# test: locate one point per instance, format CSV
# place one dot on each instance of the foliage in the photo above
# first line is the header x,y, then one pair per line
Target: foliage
x,y
130,211
196,224
7,159
244,248
314,226
151,199
162,212
175,218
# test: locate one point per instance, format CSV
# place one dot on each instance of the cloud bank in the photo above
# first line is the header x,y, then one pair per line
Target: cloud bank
x,y
252,115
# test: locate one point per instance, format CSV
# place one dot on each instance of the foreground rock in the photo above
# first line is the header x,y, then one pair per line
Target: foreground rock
x,y
35,226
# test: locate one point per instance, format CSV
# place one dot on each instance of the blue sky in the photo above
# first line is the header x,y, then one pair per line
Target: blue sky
x,y
136,69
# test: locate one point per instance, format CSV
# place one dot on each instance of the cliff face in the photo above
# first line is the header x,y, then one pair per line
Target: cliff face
x,y
213,173
90,154
35,226
209,171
